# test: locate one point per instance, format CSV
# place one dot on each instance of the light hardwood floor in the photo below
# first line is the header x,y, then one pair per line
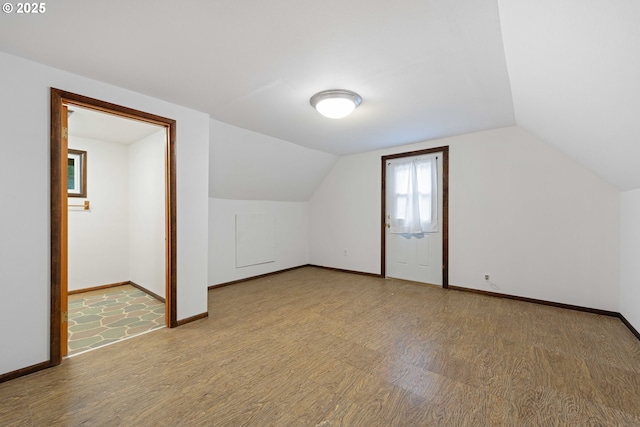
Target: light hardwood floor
x,y
313,347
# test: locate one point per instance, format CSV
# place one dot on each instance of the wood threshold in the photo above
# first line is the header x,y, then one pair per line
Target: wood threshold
x,y
193,318
24,371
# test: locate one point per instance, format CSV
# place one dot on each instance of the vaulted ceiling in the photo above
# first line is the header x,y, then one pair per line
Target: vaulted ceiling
x,y
574,67
565,70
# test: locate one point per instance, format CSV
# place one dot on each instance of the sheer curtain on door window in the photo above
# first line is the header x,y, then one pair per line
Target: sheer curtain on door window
x,y
413,183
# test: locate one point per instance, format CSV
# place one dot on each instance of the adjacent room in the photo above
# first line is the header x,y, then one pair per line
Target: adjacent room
x,y
455,244
116,228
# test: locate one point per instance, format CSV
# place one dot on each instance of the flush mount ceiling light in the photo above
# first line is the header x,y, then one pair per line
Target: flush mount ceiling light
x,y
335,103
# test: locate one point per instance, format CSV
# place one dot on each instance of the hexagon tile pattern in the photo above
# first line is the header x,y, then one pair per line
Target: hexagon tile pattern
x,y
98,318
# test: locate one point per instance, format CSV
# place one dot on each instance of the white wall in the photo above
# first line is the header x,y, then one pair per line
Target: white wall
x,y
630,257
147,213
254,173
24,212
98,238
344,213
122,237
292,244
541,225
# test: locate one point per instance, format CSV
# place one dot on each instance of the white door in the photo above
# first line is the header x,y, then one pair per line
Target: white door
x,y
416,255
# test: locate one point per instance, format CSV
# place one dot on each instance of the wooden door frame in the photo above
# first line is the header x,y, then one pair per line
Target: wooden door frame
x,y
58,258
445,208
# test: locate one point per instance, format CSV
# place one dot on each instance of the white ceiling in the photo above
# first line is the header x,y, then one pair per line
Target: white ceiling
x,y
425,68
87,123
575,75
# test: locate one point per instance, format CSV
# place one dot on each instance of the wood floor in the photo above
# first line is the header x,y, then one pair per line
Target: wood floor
x,y
312,347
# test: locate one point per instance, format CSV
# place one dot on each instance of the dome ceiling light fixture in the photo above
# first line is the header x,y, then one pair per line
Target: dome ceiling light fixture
x,y
335,103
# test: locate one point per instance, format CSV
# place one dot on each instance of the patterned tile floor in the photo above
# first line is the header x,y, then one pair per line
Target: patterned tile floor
x,y
98,318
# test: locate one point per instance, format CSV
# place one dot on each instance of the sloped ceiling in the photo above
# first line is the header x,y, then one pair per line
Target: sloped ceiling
x,y
425,69
566,70
246,165
574,67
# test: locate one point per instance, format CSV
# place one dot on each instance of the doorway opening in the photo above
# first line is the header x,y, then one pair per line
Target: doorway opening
x,y
417,246
68,175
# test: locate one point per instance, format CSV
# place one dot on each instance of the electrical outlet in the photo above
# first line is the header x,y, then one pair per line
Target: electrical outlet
x,y
486,277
